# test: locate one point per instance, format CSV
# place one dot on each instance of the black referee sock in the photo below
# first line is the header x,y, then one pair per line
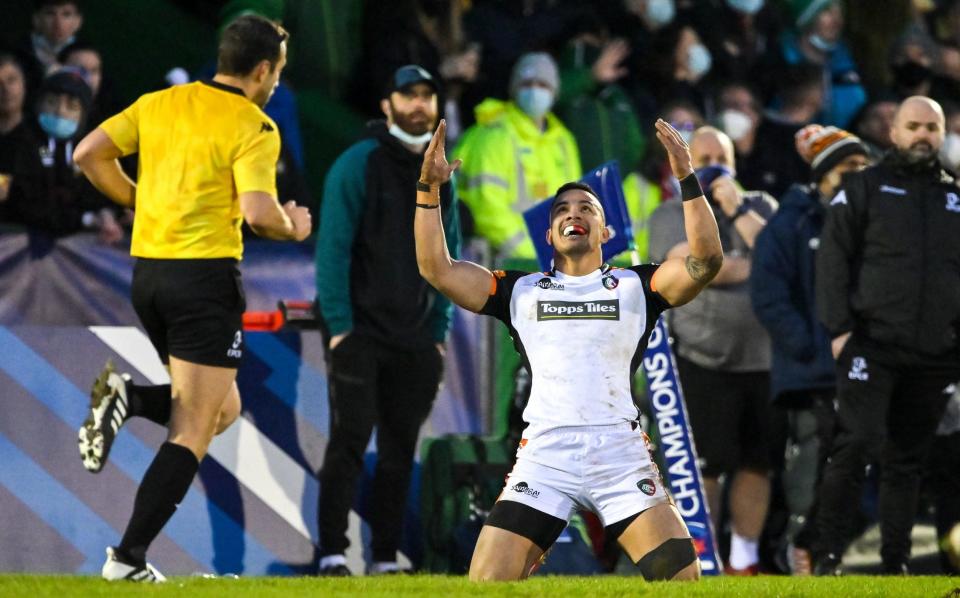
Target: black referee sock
x,y
163,487
151,402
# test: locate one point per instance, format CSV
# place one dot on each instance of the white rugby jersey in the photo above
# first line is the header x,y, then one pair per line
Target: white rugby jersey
x,y
582,338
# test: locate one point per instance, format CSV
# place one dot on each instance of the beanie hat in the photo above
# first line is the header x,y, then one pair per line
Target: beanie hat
x,y
70,81
825,147
535,65
802,12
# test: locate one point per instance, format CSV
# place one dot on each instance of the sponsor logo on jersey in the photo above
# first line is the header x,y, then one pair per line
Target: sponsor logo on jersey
x,y
953,203
234,350
607,309
858,369
610,282
547,284
647,486
523,488
841,198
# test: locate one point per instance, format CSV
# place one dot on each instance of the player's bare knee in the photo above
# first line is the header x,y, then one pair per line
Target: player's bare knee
x,y
670,560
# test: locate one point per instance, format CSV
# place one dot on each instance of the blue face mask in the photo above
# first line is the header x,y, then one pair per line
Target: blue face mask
x,y
660,12
535,101
747,7
707,174
57,126
821,44
699,60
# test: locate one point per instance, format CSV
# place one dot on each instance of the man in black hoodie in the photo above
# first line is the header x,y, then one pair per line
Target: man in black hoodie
x,y
386,325
888,292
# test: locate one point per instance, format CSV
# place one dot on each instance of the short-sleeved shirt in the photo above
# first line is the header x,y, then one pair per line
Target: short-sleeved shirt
x,y
582,338
200,146
717,329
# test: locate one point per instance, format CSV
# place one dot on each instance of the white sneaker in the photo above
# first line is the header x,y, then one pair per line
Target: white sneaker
x,y
109,410
114,570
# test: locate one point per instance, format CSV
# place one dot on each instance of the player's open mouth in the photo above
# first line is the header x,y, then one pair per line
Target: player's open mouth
x,y
572,230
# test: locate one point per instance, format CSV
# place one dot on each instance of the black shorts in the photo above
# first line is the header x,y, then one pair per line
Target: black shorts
x,y
734,425
191,309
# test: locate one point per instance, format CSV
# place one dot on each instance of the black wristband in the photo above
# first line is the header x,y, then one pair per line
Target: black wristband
x,y
425,187
428,206
690,187
740,211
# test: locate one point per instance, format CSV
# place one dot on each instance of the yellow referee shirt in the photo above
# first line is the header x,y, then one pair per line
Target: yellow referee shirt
x,y
200,145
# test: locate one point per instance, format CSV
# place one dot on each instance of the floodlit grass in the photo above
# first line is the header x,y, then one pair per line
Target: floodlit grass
x,y
35,586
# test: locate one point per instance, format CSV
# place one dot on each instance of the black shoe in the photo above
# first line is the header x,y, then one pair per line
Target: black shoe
x,y
899,568
828,565
335,571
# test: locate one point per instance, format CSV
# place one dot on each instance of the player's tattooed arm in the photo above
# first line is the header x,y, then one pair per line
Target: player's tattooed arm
x,y
702,270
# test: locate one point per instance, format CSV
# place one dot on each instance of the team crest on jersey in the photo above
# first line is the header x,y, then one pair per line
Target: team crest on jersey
x,y
608,309
858,369
647,486
548,284
610,282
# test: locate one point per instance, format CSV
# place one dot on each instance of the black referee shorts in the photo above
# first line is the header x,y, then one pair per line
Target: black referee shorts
x,y
191,309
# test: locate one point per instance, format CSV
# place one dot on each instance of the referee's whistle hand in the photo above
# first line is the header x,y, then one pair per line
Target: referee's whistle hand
x,y
300,218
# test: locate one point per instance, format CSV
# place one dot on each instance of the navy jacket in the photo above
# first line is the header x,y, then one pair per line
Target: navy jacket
x,y
782,292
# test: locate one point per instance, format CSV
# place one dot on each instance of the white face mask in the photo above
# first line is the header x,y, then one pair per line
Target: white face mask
x,y
699,60
749,7
660,12
409,139
735,124
950,151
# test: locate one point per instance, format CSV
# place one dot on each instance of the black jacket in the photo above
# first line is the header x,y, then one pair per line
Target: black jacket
x,y
782,292
368,281
888,267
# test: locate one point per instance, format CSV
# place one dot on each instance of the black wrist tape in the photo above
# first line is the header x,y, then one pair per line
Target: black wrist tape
x,y
428,206
690,187
425,187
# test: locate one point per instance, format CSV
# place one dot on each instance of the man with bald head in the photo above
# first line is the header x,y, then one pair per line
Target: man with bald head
x,y
888,292
723,353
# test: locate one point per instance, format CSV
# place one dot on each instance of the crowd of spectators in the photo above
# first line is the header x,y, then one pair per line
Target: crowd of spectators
x,y
537,92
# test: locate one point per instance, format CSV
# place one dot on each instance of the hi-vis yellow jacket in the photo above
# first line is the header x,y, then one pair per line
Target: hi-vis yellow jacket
x,y
508,166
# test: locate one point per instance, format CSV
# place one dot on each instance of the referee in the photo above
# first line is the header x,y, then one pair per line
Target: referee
x,y
207,161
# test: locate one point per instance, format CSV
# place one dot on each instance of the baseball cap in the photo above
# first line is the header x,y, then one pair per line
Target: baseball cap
x,y
70,81
409,75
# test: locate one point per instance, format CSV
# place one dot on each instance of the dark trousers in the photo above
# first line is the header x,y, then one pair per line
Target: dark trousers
x,y
889,403
373,385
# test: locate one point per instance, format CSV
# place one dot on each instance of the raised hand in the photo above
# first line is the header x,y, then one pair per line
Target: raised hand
x,y
435,169
607,68
677,149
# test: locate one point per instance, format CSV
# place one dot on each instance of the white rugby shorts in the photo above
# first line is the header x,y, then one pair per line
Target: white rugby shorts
x,y
605,469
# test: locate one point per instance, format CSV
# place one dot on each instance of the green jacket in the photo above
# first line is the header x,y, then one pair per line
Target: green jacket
x,y
509,166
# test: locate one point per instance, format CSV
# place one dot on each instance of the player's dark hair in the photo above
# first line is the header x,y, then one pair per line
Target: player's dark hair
x,y
577,185
246,41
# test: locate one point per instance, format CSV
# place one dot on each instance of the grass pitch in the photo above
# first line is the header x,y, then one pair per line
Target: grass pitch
x,y
34,586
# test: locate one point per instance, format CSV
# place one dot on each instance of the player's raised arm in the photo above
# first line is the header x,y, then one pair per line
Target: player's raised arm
x,y
465,283
680,279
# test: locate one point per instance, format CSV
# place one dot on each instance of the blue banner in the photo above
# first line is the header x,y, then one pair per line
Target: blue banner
x,y
676,443
606,181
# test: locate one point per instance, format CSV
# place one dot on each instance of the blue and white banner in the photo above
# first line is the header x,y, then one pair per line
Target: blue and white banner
x,y
676,443
605,180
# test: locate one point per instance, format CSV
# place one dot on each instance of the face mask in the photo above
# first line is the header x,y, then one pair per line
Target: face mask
x,y
535,101
735,124
821,44
409,139
699,60
950,151
57,126
748,7
707,174
659,12
911,74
